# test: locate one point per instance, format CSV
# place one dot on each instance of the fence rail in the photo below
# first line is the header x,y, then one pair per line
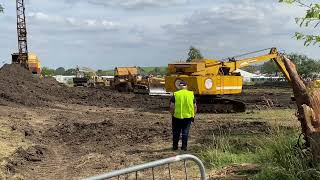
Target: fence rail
x,y
152,165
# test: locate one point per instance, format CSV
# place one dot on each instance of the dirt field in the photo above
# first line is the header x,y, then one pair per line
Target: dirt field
x,y
50,131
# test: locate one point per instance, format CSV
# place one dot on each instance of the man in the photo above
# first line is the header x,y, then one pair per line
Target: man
x,y
183,108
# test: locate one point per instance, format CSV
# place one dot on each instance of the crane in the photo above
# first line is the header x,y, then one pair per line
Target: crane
x,y
28,60
22,56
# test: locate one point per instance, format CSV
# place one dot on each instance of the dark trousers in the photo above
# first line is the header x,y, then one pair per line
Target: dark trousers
x,y
180,126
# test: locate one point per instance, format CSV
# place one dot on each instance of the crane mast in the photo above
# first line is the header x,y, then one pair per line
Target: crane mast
x,y
22,34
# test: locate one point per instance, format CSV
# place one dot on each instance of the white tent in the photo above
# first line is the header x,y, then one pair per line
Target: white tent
x,y
247,77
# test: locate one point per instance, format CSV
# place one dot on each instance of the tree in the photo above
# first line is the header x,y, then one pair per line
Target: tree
x,y
100,72
70,72
1,9
60,71
311,18
47,71
157,70
306,67
194,54
270,68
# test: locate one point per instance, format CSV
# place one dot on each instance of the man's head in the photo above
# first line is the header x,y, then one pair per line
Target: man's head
x,y
183,84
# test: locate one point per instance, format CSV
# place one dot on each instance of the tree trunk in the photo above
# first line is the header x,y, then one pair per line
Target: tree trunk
x,y
308,102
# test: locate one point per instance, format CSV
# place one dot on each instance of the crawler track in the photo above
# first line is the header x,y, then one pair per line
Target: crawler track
x,y
213,104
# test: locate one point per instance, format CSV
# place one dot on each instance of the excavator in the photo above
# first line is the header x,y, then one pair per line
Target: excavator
x,y
128,79
211,79
87,77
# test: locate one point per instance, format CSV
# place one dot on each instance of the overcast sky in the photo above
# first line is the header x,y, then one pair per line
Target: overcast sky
x,y
103,34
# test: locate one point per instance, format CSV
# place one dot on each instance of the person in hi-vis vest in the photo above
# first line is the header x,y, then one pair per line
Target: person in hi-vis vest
x,y
183,108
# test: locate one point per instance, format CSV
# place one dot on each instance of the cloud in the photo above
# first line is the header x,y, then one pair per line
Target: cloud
x,y
71,23
134,4
236,25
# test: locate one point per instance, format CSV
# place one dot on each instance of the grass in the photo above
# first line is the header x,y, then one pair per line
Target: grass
x,y
275,152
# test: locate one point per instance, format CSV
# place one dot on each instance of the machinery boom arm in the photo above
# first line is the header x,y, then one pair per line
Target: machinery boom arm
x,y
273,55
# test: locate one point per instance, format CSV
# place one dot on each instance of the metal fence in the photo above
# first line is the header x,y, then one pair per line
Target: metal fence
x,y
152,165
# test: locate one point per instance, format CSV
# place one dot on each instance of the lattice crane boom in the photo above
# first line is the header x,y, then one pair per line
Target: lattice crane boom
x,y
22,34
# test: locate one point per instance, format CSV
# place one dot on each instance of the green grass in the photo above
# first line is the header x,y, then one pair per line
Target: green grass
x,y
275,152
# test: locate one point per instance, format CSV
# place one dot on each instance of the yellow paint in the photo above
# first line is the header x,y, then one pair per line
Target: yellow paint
x,y
222,74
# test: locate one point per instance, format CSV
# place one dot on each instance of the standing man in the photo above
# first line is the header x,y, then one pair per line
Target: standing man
x,y
183,108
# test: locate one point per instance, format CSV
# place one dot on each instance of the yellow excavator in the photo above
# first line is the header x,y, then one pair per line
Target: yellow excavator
x,y
128,79
210,79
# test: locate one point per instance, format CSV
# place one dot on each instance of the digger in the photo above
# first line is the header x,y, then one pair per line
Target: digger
x,y
128,79
211,79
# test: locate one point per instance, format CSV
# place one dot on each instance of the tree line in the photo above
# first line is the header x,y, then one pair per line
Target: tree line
x,y
307,67
46,71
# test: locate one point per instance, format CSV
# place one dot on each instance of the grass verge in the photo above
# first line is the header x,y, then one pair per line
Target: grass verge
x,y
276,153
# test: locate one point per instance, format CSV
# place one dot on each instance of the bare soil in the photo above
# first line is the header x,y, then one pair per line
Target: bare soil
x,y
51,131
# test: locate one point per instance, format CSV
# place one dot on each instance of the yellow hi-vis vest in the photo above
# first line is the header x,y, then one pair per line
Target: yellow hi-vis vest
x,y
184,104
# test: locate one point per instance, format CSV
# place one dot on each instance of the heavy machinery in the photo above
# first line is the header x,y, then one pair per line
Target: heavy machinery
x,y
210,79
27,60
87,77
128,79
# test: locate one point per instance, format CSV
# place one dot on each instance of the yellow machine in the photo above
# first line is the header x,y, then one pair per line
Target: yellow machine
x,y
128,79
33,62
209,79
87,77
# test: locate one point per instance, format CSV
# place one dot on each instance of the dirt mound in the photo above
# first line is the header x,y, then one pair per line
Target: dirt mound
x,y
22,156
18,85
105,134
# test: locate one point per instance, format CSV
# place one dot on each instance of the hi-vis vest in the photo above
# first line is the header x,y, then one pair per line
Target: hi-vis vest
x,y
184,104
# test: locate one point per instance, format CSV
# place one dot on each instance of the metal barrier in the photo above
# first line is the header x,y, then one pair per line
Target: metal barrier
x,y
152,165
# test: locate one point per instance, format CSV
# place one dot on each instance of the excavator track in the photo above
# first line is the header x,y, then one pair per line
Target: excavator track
x,y
214,104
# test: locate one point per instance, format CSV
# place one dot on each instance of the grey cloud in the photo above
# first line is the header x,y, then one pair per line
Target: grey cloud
x,y
45,21
134,4
233,26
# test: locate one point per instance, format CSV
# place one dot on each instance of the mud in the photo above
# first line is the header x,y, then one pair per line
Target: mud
x,y
64,132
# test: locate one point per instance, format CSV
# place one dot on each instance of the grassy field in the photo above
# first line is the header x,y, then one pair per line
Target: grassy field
x,y
274,150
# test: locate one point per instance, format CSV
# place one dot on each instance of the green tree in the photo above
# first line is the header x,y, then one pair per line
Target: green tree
x,y
60,71
269,67
157,70
47,71
101,72
311,18
70,72
305,66
194,54
1,9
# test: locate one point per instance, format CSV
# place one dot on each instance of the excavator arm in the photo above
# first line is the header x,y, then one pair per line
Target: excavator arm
x,y
273,55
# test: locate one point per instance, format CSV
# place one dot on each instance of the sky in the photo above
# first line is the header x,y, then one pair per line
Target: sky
x,y
103,34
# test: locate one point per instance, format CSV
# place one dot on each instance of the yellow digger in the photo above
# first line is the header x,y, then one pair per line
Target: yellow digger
x,y
128,79
210,79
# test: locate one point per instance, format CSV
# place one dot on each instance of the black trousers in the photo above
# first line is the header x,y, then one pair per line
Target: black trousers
x,y
180,126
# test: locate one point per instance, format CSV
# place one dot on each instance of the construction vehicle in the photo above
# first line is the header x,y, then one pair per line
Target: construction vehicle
x,y
128,79
26,59
211,79
87,77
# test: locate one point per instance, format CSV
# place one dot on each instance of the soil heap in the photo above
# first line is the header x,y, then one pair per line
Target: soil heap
x,y
20,86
